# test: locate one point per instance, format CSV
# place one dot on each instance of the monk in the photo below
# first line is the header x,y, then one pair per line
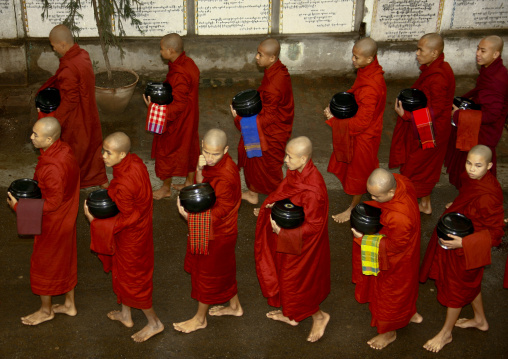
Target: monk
x,y
125,242
491,92
213,275
423,166
293,265
393,292
275,122
363,130
53,267
77,113
458,269
176,151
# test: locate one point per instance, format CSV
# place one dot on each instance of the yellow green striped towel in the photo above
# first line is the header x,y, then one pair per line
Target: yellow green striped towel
x,y
370,250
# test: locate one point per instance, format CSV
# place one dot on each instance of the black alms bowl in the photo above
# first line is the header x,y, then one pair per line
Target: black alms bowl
x,y
48,100
343,105
247,103
455,224
287,215
160,93
366,219
412,99
464,103
197,197
25,188
101,205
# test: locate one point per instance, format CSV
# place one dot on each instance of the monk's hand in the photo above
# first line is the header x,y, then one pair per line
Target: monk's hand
x,y
275,227
356,233
328,113
398,107
453,243
181,210
448,205
11,201
88,215
201,162
147,100
233,111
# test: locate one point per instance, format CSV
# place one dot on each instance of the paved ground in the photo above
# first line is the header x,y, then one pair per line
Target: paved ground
x,y
91,335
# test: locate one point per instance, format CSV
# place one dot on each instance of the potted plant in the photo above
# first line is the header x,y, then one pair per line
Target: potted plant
x,y
115,86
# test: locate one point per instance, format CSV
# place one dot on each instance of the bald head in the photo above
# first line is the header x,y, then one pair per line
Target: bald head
x,y
382,179
61,33
434,41
367,47
271,47
216,138
300,146
49,127
496,42
173,41
483,151
119,142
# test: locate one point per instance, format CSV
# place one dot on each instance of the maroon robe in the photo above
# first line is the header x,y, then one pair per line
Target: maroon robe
x,y
393,292
457,281
176,151
275,121
214,275
78,114
491,92
364,130
297,282
423,167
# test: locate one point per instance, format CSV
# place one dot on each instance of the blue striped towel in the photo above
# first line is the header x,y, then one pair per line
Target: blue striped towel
x,y
251,136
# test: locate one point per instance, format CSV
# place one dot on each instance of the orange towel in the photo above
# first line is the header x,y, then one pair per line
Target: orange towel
x,y
468,128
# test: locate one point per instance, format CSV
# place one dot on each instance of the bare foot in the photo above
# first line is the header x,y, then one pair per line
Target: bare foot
x,y
117,315
251,197
179,187
147,332
438,342
37,318
343,217
472,323
416,318
277,315
190,325
62,309
105,185
256,211
425,209
221,310
382,340
163,192
318,327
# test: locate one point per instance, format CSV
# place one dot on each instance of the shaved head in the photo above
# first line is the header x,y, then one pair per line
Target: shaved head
x,y
434,41
367,47
216,138
301,146
173,41
482,151
382,180
49,127
271,47
61,33
119,142
496,42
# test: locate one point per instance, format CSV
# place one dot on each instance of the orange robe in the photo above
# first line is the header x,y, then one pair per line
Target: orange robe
x,y
297,282
176,151
129,234
364,130
214,275
423,167
78,114
53,267
393,292
458,273
275,121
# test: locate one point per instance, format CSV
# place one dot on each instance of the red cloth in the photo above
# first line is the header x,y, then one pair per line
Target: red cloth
x,y
364,131
29,216
78,115
468,128
423,123
393,292
423,167
53,267
491,92
482,202
275,123
132,261
214,276
176,151
297,283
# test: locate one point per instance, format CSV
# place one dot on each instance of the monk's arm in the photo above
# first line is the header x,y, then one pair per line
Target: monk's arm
x,y
398,231
492,105
269,114
225,200
68,83
436,90
52,187
181,94
367,101
490,213
129,213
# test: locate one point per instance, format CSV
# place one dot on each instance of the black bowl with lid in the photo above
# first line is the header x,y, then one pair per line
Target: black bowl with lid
x,y
463,103
197,197
160,93
247,103
412,99
101,205
454,223
25,188
48,100
343,105
287,215
366,219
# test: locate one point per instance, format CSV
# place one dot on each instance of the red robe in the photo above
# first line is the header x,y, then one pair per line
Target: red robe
x,y
78,115
275,121
298,283
458,284
364,130
214,275
393,292
423,167
176,151
130,234
53,267
491,92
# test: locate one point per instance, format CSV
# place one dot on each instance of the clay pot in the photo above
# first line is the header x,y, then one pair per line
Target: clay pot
x,y
366,219
25,188
101,205
160,93
247,103
343,105
115,100
197,197
455,224
287,215
412,99
48,100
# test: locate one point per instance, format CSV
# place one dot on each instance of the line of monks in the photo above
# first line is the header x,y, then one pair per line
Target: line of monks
x,y
293,265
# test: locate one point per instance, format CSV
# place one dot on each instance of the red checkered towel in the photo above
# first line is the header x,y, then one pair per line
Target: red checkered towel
x,y
199,231
423,123
156,118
